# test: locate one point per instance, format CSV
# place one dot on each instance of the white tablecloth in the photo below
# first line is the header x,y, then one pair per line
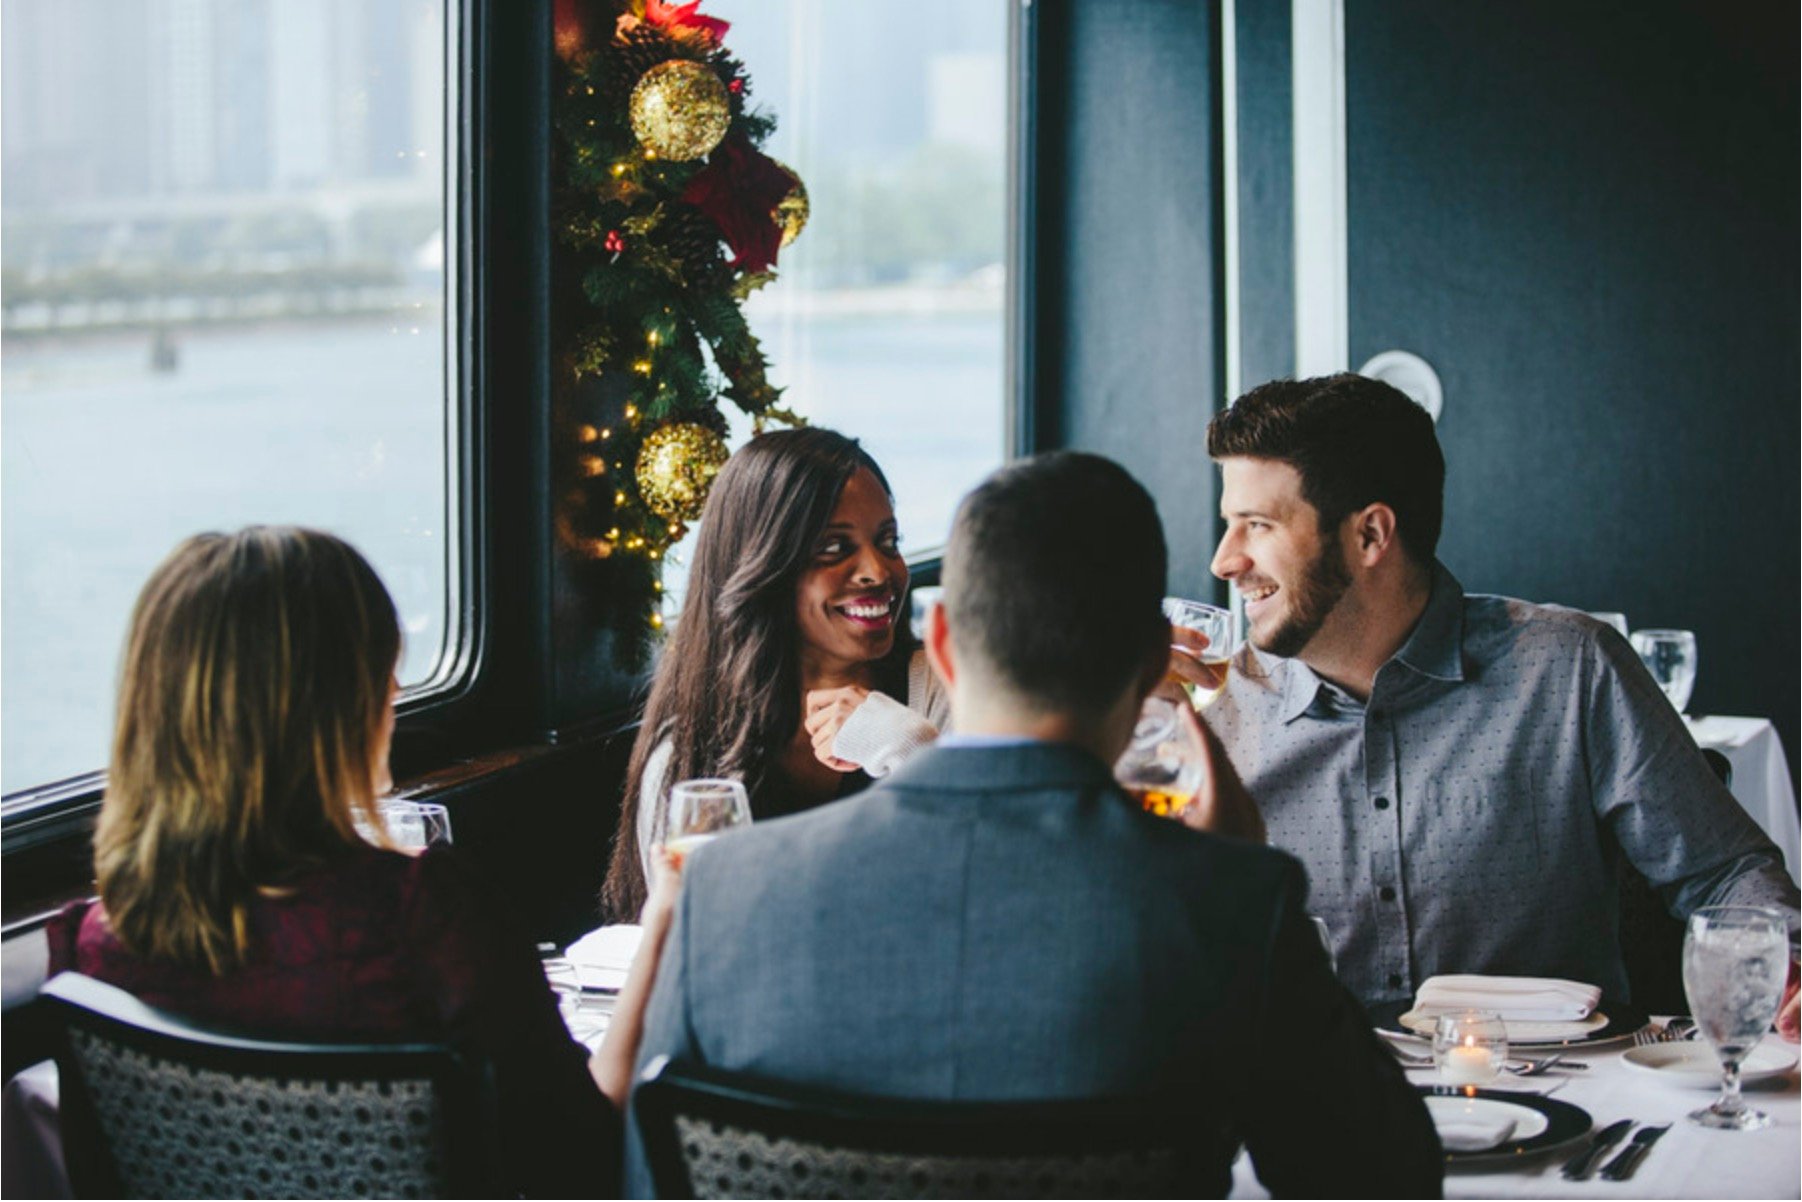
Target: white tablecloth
x,y
1688,1162
1761,779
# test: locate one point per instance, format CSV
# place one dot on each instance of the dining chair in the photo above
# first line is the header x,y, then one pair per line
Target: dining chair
x,y
712,1134
155,1106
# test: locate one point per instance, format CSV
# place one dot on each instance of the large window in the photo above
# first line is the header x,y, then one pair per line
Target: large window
x,y
887,320
225,274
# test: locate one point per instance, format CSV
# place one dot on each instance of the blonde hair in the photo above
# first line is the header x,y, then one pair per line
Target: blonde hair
x,y
252,720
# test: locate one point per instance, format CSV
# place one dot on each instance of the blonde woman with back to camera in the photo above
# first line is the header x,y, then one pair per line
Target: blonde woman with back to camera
x,y
255,709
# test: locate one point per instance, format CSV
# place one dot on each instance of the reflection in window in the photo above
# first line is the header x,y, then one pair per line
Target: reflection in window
x,y
223,303
887,320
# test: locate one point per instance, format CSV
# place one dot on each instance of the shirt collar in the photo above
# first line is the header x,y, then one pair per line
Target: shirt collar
x,y
1434,649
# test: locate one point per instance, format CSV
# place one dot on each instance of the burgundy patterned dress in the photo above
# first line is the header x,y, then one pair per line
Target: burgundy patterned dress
x,y
380,945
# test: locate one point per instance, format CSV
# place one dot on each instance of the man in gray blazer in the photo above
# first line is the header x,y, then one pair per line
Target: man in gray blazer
x,y
997,920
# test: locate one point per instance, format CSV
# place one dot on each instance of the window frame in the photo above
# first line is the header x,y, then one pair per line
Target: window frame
x,y
43,813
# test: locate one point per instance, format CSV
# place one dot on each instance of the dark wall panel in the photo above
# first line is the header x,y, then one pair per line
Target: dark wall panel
x,y
1585,217
1125,336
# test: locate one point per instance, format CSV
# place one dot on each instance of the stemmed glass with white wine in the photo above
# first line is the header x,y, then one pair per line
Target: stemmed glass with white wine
x,y
701,809
1735,962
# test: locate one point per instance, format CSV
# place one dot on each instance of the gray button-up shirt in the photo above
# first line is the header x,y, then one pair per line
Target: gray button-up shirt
x,y
1471,816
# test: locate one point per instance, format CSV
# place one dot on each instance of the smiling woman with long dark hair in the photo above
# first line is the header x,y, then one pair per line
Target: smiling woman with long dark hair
x,y
792,667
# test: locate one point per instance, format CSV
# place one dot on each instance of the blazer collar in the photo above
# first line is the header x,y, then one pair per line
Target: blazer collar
x,y
1017,766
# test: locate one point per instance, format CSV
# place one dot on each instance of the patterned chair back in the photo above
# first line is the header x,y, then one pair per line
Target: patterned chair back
x,y
154,1106
709,1134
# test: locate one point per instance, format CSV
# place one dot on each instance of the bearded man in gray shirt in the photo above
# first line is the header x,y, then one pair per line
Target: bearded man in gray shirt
x,y
1460,774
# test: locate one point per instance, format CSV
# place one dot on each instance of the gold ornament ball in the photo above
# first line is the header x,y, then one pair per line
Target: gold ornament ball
x,y
680,110
675,469
790,213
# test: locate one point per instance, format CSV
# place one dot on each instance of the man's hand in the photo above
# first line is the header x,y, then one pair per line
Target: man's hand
x,y
824,712
1221,805
1186,668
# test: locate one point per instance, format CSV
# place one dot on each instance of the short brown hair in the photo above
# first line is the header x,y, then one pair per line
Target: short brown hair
x,y
1054,579
1355,441
252,700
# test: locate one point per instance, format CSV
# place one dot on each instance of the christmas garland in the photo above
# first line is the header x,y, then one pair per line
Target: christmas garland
x,y
671,216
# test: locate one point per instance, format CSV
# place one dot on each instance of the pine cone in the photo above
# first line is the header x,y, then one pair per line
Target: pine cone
x,y
693,240
628,57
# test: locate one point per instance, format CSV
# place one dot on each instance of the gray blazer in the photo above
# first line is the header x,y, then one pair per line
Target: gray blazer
x,y
1004,923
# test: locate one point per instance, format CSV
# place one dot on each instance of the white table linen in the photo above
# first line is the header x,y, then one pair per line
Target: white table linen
x,y
1688,1162
1761,780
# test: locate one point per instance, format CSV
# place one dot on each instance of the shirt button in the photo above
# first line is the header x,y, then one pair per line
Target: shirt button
x,y
1382,803
1386,893
1395,980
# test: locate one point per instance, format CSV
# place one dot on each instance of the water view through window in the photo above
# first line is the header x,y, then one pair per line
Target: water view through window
x,y
223,303
887,321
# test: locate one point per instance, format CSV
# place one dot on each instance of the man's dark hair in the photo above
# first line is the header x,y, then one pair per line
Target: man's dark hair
x,y
1054,578
1355,441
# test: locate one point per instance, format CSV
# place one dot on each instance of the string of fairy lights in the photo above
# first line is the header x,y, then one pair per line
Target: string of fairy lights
x,y
672,216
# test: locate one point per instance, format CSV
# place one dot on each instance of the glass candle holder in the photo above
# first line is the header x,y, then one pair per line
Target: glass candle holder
x,y
1470,1046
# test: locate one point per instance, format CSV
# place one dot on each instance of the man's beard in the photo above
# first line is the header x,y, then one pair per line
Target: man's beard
x,y
1312,600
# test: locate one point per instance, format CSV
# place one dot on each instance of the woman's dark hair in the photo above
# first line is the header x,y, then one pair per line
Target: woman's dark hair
x,y
727,692
1354,441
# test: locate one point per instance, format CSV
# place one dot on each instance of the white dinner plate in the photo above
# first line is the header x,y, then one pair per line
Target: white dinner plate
x,y
1693,1063
1535,1124
1511,1121
1521,1033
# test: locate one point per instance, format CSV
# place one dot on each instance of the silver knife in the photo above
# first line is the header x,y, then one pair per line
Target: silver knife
x,y
1622,1166
1580,1166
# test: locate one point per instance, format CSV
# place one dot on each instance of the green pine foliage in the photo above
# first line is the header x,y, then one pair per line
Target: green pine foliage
x,y
666,327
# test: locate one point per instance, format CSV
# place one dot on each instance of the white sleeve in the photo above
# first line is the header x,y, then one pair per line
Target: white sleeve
x,y
650,802
881,733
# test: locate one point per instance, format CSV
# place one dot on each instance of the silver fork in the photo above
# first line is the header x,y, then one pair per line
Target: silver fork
x,y
1653,1033
1532,1068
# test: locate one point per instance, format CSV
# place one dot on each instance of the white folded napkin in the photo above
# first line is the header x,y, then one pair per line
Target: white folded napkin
x,y
602,956
1515,999
1471,1133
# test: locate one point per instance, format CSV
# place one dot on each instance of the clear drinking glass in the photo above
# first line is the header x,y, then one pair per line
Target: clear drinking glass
x,y
1162,766
1670,656
1735,962
1614,619
410,826
701,809
1221,626
1470,1046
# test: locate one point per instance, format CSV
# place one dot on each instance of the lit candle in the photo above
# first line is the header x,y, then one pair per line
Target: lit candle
x,y
1467,1064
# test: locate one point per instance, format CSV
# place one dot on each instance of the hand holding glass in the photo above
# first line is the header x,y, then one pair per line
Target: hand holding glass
x,y
1220,626
1735,962
701,809
1670,656
1162,766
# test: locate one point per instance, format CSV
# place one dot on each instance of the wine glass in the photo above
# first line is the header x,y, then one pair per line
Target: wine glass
x,y
1470,1046
1613,618
701,809
1735,962
409,826
1162,766
1670,656
1221,626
